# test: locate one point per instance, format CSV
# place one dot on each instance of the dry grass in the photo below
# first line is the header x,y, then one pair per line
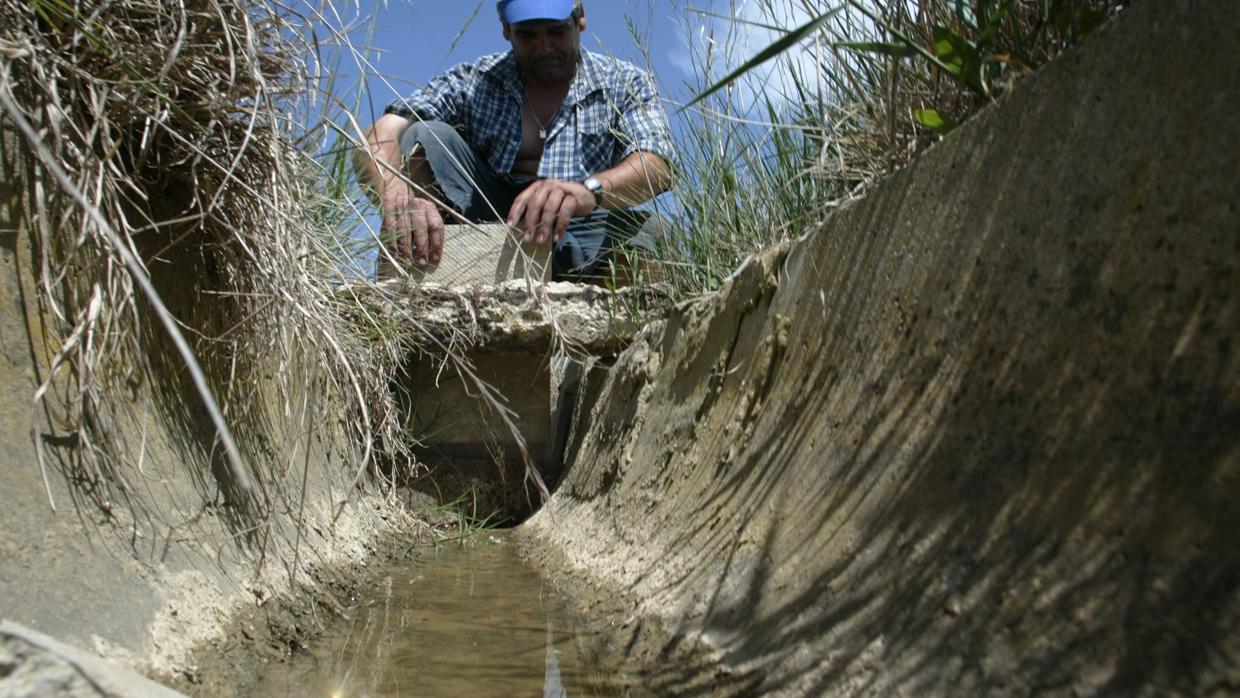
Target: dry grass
x,y
171,214
189,206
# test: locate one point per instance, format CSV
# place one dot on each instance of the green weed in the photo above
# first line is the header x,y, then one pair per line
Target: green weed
x,y
466,524
775,144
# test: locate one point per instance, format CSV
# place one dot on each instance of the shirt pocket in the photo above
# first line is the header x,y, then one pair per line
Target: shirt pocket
x,y
598,151
599,144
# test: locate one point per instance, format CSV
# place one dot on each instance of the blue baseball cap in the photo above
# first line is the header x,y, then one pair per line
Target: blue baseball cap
x,y
515,11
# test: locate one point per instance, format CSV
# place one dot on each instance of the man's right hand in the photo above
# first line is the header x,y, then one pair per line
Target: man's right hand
x,y
413,224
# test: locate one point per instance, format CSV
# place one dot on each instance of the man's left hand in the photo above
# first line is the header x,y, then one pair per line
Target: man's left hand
x,y
543,209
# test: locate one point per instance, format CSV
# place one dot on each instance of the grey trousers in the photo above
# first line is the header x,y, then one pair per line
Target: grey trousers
x,y
477,193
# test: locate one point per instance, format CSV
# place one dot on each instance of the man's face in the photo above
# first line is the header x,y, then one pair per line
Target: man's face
x,y
547,51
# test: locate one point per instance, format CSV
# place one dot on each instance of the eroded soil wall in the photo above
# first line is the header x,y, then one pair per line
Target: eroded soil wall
x,y
153,559
979,433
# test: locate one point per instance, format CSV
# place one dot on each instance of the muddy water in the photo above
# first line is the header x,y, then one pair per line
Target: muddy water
x,y
463,620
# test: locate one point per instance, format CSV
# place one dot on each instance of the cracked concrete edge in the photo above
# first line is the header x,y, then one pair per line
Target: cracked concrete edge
x,y
102,678
518,314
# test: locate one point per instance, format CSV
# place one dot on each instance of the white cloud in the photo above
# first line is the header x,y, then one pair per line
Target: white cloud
x,y
713,46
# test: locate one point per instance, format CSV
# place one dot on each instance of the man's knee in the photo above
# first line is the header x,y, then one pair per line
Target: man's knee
x,y
434,137
652,233
622,248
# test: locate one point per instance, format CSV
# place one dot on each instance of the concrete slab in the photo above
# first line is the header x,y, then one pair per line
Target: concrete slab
x,y
485,253
33,665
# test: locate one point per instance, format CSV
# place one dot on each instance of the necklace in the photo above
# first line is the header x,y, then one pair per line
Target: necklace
x,y
542,128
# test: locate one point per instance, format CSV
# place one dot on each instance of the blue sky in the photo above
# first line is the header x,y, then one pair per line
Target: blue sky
x,y
414,39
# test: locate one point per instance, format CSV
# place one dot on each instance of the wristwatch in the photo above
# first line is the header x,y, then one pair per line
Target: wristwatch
x,y
595,185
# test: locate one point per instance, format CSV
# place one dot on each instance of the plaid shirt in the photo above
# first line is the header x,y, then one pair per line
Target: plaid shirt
x,y
611,111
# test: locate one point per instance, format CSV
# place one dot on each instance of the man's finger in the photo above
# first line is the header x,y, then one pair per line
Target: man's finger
x,y
396,235
550,212
534,211
404,246
434,234
518,209
565,216
418,226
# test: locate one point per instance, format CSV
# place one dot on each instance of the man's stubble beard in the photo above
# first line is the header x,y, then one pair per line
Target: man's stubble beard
x,y
552,68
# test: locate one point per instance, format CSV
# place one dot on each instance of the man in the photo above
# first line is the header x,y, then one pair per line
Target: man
x,y
555,141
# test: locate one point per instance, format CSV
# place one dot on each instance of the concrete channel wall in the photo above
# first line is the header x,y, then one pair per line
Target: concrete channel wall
x,y
978,433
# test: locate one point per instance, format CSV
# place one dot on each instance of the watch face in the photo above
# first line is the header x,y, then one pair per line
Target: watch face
x,y
593,184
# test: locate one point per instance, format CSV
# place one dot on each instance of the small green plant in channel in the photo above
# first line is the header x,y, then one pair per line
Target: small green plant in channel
x,y
466,523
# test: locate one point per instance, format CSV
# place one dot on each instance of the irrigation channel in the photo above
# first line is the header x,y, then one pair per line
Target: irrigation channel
x,y
977,434
465,618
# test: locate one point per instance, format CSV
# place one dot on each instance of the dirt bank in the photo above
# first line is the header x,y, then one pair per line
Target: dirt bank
x,y
157,557
280,627
977,434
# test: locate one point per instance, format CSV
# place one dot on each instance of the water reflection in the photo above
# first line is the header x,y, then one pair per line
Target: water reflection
x,y
463,621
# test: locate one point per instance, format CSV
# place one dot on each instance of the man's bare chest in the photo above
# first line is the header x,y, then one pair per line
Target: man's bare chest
x,y
538,115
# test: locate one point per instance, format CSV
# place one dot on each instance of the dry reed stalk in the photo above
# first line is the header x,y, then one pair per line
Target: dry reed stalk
x,y
172,228
169,183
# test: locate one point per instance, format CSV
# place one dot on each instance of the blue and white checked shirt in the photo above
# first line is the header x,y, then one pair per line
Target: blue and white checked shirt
x,y
611,111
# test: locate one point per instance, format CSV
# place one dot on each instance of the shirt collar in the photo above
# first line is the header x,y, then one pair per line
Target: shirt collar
x,y
504,72
589,77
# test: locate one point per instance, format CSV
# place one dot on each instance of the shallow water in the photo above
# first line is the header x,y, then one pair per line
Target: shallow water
x,y
469,620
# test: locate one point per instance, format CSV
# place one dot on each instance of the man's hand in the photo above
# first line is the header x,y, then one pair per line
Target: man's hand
x,y
414,223
542,210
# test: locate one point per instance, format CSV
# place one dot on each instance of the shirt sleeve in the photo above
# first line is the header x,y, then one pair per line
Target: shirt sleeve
x,y
442,99
645,121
